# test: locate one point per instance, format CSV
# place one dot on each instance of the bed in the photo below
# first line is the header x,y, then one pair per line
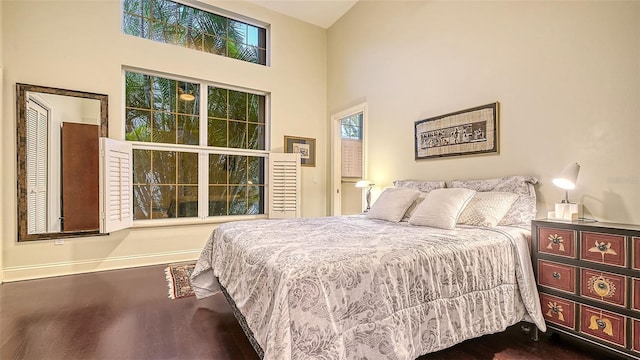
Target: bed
x,y
360,287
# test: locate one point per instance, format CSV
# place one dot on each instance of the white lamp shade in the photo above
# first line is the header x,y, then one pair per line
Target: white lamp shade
x,y
568,178
364,183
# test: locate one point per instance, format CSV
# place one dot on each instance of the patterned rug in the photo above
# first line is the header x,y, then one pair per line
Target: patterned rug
x,y
178,276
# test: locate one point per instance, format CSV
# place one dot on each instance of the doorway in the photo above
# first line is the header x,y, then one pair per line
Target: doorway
x,y
348,160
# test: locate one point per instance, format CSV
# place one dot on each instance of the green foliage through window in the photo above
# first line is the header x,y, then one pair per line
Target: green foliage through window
x,y
236,185
178,24
161,112
351,127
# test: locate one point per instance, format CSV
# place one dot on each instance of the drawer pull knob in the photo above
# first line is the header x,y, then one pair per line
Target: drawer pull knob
x,y
603,249
555,239
556,275
602,324
555,309
602,286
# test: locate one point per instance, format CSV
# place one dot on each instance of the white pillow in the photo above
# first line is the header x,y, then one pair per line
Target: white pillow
x,y
392,204
441,208
487,208
523,209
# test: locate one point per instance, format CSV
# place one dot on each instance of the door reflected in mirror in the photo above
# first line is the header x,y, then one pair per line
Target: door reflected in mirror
x,y
58,157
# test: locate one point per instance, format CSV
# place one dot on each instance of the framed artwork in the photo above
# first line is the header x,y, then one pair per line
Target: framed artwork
x,y
466,132
305,146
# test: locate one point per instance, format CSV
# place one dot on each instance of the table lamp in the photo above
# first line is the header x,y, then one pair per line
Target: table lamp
x,y
366,184
566,180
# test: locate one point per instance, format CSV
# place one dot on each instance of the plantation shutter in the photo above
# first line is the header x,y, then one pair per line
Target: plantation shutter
x,y
351,158
284,185
37,165
116,173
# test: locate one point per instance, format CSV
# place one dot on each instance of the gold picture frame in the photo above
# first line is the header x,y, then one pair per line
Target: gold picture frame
x,y
305,146
467,132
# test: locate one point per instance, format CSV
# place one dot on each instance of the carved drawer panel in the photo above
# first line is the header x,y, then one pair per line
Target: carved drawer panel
x,y
604,325
558,310
603,248
636,253
557,276
604,286
635,297
557,241
636,336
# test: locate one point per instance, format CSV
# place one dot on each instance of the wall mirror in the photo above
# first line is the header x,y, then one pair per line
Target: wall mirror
x,y
58,134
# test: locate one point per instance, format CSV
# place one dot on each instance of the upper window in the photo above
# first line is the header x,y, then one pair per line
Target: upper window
x,y
351,127
178,24
194,143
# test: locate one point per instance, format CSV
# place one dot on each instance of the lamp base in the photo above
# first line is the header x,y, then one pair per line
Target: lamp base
x,y
565,212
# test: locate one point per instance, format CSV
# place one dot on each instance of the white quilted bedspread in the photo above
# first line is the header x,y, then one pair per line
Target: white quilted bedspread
x,y
355,288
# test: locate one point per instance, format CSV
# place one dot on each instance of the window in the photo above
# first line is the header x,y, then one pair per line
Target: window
x,y
351,127
194,143
178,24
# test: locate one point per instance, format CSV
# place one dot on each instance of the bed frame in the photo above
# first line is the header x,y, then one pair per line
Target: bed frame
x,y
243,323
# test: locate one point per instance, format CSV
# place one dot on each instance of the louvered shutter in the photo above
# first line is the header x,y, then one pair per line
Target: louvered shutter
x,y
37,165
116,173
351,158
284,185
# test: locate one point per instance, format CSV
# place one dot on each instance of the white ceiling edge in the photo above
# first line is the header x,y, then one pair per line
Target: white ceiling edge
x,y
323,13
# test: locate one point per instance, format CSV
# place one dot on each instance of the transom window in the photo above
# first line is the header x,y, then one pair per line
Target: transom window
x,y
351,127
178,24
194,143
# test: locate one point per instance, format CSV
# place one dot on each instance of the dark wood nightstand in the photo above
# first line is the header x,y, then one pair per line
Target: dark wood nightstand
x,y
588,276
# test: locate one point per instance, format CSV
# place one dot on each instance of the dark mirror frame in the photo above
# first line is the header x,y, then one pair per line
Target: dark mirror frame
x,y
21,106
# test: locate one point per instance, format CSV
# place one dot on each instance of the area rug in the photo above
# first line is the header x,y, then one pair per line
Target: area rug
x,y
178,279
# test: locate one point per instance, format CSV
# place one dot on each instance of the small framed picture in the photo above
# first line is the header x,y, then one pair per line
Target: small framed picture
x,y
305,146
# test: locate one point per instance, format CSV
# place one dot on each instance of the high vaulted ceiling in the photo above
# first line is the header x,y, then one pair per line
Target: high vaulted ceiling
x,y
322,13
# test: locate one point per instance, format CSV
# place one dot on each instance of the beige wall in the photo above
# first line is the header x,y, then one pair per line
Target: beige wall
x,y
2,122
79,45
567,76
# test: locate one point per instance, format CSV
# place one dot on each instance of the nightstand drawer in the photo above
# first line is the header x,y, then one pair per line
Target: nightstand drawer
x,y
636,336
610,288
603,248
559,242
604,325
557,276
558,311
635,295
636,253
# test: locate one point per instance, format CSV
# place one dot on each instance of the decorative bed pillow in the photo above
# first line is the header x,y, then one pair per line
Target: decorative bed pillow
x,y
441,208
487,208
523,209
392,204
424,186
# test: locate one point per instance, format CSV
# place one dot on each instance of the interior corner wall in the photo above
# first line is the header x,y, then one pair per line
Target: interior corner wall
x,y
566,74
79,45
2,164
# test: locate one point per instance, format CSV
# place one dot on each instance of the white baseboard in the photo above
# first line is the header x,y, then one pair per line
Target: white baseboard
x,y
39,271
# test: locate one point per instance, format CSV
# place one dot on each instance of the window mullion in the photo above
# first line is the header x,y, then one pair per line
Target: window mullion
x,y
203,184
203,156
204,105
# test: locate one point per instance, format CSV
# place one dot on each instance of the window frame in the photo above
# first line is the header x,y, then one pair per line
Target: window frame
x,y
217,11
203,151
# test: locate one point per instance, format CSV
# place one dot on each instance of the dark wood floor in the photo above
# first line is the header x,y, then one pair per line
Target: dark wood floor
x,y
125,314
